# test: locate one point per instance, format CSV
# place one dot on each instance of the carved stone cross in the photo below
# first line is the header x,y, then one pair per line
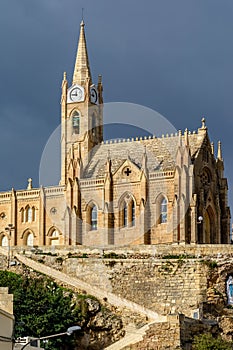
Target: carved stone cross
x,y
127,172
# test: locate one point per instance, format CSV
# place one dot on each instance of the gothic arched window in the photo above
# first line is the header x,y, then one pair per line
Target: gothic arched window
x,y
22,215
94,219
163,210
33,214
125,215
76,122
29,214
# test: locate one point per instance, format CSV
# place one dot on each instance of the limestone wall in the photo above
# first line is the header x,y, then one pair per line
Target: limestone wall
x,y
176,333
158,250
165,286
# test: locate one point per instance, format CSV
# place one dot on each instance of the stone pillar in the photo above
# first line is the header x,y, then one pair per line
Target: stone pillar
x,y
13,218
193,221
42,216
175,220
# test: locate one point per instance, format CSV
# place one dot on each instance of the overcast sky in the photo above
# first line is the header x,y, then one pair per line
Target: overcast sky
x,y
175,57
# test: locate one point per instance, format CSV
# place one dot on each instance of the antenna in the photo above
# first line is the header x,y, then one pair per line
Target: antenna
x,y
82,13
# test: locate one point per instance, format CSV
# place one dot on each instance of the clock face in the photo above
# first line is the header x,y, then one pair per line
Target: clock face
x,y
76,94
94,95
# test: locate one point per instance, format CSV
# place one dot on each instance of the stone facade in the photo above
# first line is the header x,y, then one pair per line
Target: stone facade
x,y
137,191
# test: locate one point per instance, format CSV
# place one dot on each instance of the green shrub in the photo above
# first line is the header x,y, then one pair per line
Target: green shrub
x,y
212,264
41,307
208,342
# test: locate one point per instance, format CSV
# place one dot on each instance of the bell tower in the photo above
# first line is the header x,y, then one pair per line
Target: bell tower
x,y
81,115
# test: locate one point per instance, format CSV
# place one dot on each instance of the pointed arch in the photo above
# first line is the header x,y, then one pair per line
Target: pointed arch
x,y
209,225
4,241
28,237
26,213
127,210
163,211
22,214
161,208
92,215
75,122
33,213
125,214
29,214
54,236
94,218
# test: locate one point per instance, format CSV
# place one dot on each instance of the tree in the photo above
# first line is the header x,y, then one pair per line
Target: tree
x,y
41,308
208,342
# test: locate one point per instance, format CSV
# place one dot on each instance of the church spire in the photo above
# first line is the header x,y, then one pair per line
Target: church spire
x,y
82,69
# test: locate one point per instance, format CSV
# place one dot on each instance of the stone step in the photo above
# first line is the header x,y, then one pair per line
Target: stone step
x,y
132,336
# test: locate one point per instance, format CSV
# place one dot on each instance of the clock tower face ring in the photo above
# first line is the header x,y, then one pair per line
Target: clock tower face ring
x,y
94,95
76,94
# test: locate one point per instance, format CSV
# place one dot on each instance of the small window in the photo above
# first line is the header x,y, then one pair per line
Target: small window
x,y
76,123
33,214
22,215
94,218
29,215
163,211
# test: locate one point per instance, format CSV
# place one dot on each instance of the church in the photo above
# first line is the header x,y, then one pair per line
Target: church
x,y
145,190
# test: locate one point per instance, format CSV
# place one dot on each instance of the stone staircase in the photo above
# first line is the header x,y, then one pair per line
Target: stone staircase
x,y
133,334
93,290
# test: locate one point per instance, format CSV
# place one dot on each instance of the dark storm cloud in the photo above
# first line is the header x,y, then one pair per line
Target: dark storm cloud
x,y
173,56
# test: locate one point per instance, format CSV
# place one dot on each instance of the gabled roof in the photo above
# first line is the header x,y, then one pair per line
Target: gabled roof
x,y
161,153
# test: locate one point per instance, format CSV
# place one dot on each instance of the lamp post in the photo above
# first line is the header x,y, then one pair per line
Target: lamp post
x,y
8,229
69,331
